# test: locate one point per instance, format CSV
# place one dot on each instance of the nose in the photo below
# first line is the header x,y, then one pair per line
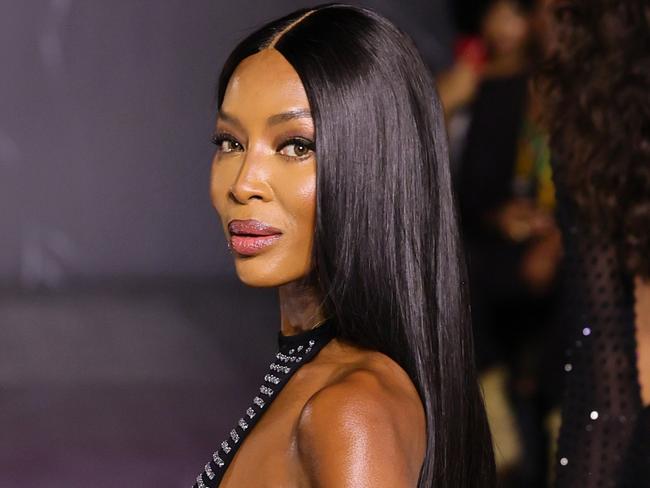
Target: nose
x,y
251,182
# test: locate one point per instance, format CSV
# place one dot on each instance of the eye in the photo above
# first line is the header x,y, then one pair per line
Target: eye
x,y
297,147
226,143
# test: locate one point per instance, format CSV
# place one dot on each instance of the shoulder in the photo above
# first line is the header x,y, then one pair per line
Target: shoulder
x,y
366,428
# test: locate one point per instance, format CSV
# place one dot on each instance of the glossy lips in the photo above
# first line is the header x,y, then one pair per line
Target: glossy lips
x,y
250,237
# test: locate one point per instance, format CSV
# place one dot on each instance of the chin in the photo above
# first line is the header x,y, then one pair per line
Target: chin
x,y
259,273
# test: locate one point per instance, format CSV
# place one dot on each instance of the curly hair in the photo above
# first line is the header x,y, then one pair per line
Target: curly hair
x,y
594,83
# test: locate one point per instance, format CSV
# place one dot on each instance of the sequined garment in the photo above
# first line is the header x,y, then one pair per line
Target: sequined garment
x,y
605,434
293,352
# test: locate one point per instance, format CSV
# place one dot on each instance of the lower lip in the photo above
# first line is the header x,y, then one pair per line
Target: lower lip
x,y
251,245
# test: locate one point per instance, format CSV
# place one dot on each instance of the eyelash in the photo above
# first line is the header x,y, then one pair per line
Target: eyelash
x,y
219,139
298,141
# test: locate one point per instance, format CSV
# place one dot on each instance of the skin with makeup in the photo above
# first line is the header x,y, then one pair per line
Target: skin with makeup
x,y
344,414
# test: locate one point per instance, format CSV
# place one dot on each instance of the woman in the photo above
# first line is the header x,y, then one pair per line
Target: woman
x,y
332,184
595,84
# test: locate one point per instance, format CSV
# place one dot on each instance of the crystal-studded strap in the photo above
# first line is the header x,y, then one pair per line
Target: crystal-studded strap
x,y
293,352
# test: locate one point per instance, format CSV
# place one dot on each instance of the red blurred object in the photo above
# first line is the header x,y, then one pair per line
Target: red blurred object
x,y
472,50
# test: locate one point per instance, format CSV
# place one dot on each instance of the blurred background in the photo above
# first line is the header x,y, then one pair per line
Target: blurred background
x,y
127,346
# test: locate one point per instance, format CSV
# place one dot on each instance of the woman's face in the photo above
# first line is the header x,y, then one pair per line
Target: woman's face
x,y
263,182
505,28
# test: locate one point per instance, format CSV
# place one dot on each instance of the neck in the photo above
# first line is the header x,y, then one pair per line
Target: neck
x,y
506,65
300,308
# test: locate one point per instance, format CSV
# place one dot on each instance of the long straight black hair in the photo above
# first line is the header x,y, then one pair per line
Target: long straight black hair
x,y
386,250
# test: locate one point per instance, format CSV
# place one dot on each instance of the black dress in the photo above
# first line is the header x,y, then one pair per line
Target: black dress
x,y
605,434
293,352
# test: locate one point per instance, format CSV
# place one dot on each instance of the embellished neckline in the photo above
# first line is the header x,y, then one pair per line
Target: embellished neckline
x,y
293,351
327,329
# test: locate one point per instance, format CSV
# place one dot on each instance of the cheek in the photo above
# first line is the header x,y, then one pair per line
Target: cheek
x,y
219,184
307,194
303,203
518,30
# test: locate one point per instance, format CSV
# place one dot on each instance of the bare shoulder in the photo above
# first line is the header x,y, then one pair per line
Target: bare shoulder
x,y
365,428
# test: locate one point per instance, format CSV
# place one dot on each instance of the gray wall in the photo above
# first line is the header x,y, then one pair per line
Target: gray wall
x,y
105,119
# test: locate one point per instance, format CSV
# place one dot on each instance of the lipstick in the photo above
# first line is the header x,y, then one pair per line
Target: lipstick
x,y
251,237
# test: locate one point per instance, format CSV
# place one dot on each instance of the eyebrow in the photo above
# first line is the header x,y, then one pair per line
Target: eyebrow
x,y
300,113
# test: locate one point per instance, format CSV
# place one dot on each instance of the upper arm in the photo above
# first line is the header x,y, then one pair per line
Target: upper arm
x,y
351,435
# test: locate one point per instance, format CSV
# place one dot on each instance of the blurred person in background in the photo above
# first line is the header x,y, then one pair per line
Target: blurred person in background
x,y
595,84
507,202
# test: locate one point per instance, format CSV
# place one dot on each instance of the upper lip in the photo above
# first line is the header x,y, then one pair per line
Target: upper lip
x,y
251,228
